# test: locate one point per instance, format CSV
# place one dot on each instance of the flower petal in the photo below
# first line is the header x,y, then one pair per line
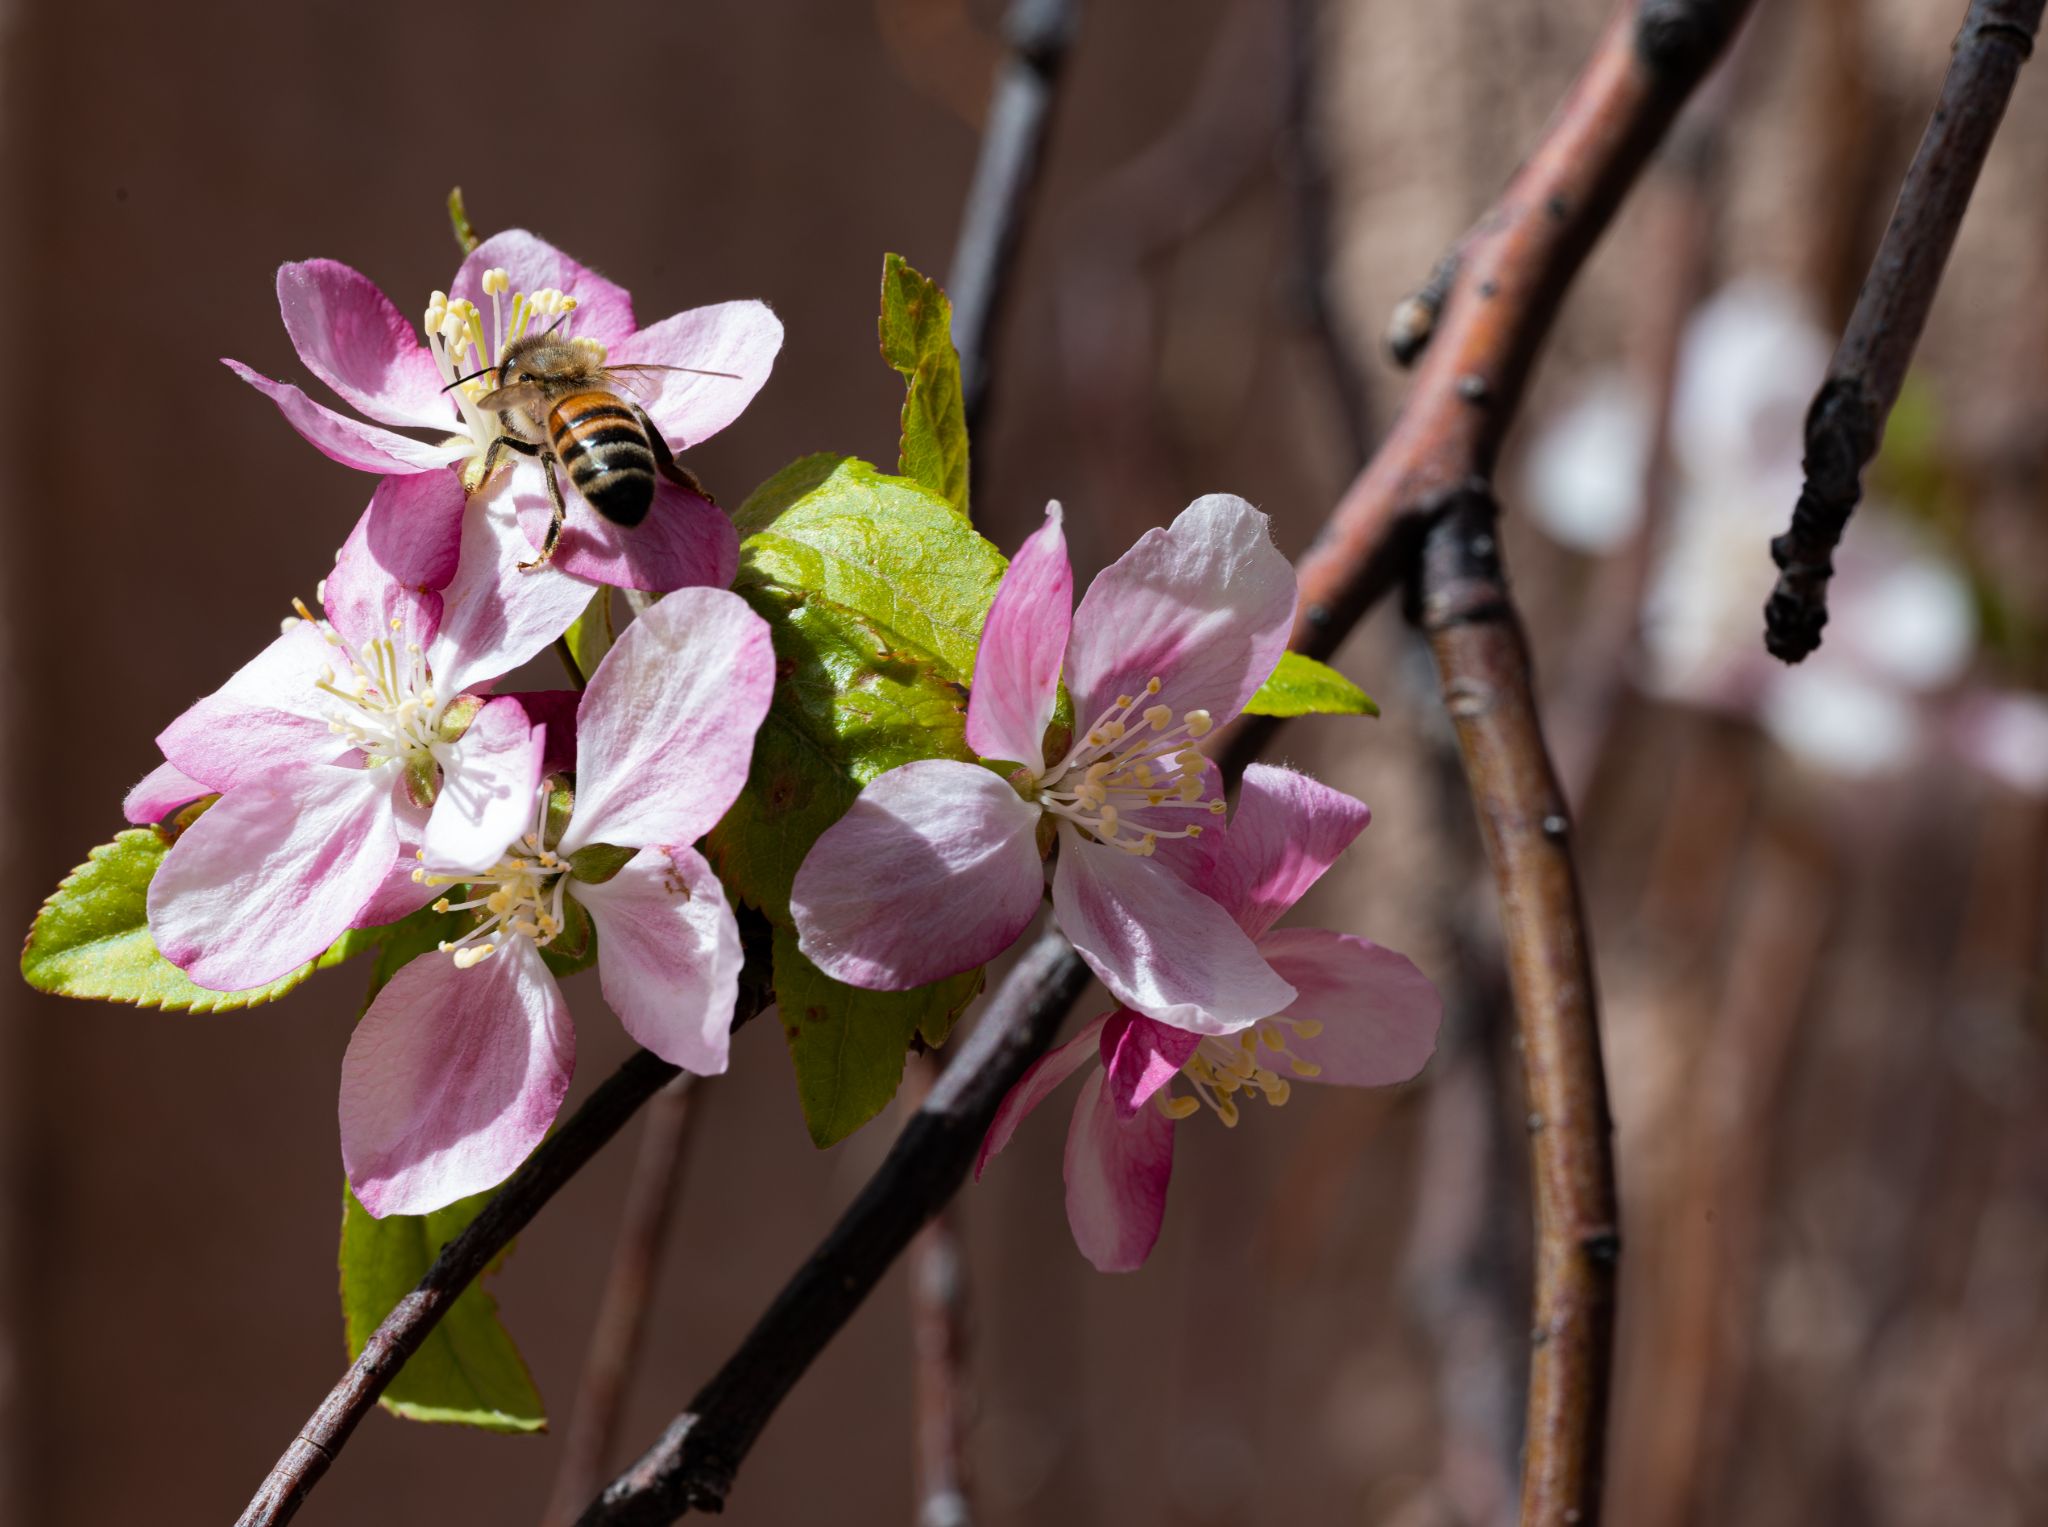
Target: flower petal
x,y
352,337
686,541
666,728
494,614
1204,605
489,779
265,718
1160,946
401,554
1116,1172
1035,1086
159,793
668,955
741,338
273,873
1017,670
604,311
1286,831
1141,1056
934,870
1379,1013
367,447
452,1078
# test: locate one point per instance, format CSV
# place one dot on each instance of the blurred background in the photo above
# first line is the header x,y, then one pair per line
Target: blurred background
x,y
1817,898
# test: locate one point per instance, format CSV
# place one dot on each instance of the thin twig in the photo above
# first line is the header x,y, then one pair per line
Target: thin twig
x,y
1483,664
998,198
1846,423
694,1463
558,1159
941,1397
622,1311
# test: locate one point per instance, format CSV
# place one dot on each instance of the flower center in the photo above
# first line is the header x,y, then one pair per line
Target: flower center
x,y
380,697
1245,1063
468,352
518,897
1132,760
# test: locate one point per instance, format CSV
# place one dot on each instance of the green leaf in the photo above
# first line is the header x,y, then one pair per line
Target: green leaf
x,y
91,938
1301,686
591,634
916,329
874,592
467,1370
847,1044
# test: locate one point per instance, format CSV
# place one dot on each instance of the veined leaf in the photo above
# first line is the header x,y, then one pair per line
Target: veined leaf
x,y
916,329
1301,686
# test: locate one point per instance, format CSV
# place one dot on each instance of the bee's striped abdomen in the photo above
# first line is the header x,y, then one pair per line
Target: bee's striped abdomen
x,y
598,438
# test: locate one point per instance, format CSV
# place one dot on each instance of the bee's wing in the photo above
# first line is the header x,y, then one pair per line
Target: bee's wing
x,y
635,377
526,395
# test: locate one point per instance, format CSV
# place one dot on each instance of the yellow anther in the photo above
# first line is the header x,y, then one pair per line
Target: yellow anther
x,y
1198,723
1227,1112
1150,845
1109,819
1306,1068
496,280
1307,1028
419,877
1097,772
420,854
1096,739
1278,1094
1151,686
475,954
1178,1108
1160,717
1194,832
1250,1040
1125,702
1154,797
1115,730
1216,808
1190,790
442,904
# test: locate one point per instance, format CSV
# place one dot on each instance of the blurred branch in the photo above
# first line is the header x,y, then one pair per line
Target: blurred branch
x,y
694,1463
622,1312
941,1399
1038,32
1846,422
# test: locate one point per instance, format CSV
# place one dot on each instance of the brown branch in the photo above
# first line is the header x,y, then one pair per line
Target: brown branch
x,y
941,1398
1483,664
559,1157
694,1463
1846,423
622,1311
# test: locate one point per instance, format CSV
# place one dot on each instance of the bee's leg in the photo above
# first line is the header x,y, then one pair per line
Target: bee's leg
x,y
508,443
666,463
547,545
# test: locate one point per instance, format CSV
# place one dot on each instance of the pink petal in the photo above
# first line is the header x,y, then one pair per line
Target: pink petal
x,y
1160,946
401,553
273,873
1140,1057
742,338
351,442
1379,1013
668,955
604,311
159,793
933,871
452,1078
1286,831
1017,670
494,614
1116,1172
266,718
685,541
1204,605
1035,1086
399,895
490,779
352,337
666,728
554,709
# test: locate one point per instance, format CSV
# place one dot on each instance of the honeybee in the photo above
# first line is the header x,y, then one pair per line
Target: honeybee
x,y
562,390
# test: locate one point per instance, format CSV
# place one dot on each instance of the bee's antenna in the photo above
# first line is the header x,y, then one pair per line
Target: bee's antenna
x,y
482,371
556,325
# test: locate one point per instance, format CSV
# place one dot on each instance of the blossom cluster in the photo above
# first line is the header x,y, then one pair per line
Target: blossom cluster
x,y
369,764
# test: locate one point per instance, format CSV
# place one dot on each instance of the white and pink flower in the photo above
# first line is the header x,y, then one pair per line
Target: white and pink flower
x,y
351,336
937,867
461,1063
1361,1016
345,744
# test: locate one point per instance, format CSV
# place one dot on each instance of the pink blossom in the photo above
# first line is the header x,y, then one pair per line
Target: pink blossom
x,y
461,1063
346,744
1362,1016
351,336
937,868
